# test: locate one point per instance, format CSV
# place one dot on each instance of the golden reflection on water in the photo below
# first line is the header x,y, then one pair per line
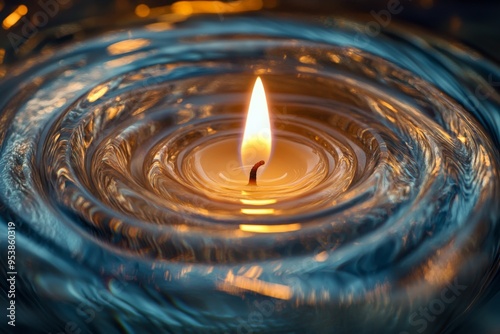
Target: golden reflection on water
x,y
97,93
235,283
247,211
187,8
215,7
269,228
128,45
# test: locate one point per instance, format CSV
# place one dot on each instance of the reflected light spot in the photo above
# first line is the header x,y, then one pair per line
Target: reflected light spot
x,y
142,10
253,272
307,60
215,7
97,93
356,57
125,60
304,69
182,8
132,232
440,273
270,228
321,257
14,17
159,26
22,10
257,211
127,46
273,290
2,55
335,58
257,201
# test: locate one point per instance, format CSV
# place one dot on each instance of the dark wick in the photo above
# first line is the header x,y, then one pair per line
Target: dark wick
x,y
252,181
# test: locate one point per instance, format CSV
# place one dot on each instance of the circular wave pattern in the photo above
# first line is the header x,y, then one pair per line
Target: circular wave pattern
x,y
98,162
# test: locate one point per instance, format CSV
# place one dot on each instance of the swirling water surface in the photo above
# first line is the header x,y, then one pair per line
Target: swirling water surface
x,y
118,234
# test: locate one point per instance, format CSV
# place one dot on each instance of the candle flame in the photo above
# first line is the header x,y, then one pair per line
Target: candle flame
x,y
257,139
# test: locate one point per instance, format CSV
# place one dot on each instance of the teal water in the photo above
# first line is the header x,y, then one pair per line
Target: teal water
x,y
415,123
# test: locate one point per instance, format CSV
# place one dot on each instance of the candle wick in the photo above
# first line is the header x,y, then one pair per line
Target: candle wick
x,y
252,181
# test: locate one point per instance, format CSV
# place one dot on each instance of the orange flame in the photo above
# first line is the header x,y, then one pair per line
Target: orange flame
x,y
257,139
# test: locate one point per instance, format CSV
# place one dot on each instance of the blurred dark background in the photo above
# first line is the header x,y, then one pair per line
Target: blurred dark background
x,y
28,27
474,23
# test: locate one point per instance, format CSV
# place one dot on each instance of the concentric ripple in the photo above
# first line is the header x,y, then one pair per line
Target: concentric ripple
x,y
100,170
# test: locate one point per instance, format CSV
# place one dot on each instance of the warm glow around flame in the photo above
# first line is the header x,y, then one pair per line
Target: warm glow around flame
x,y
257,139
